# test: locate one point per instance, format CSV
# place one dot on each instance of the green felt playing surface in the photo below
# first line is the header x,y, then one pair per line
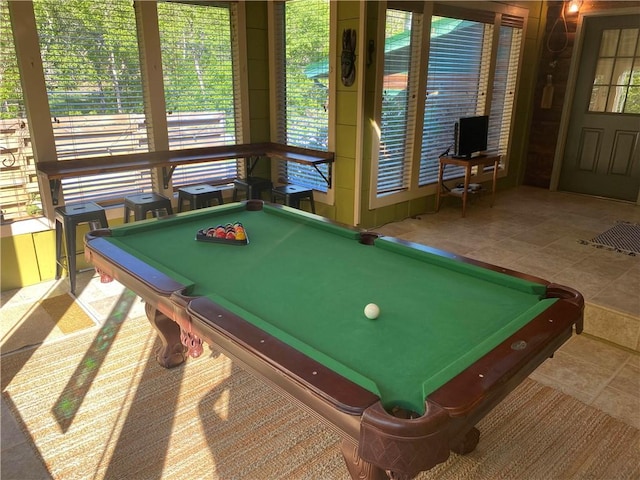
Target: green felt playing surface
x,y
307,282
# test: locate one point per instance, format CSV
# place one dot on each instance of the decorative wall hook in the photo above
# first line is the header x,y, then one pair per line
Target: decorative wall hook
x,y
348,58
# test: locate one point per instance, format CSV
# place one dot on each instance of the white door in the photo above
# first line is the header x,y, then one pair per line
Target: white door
x,y
602,150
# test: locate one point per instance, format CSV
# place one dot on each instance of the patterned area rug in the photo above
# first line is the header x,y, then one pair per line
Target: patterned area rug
x,y
99,407
624,237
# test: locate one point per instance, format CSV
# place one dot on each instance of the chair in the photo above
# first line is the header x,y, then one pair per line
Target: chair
x,y
67,219
251,187
291,195
199,196
143,203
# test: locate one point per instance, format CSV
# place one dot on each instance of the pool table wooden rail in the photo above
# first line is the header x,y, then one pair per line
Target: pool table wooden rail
x,y
54,171
375,441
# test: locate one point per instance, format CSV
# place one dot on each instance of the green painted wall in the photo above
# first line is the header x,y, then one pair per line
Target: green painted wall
x,y
30,258
346,121
19,259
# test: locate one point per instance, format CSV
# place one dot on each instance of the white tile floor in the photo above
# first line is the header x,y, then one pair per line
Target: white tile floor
x,y
530,230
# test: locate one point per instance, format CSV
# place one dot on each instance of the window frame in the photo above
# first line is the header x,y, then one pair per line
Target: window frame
x,y
73,133
22,17
22,199
276,23
188,174
428,10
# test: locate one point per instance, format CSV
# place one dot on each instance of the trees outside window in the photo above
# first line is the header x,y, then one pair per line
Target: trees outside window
x,y
199,69
92,74
302,84
91,60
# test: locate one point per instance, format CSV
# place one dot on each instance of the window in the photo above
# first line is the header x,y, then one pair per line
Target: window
x,y
19,196
504,84
303,85
92,72
616,85
456,86
199,84
401,54
469,70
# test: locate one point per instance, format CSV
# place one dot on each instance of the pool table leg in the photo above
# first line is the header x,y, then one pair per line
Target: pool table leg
x,y
360,469
467,444
171,353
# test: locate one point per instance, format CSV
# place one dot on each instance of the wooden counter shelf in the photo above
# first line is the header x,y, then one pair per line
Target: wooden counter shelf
x,y
54,171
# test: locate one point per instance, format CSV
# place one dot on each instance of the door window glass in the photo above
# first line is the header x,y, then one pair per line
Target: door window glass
x,y
616,82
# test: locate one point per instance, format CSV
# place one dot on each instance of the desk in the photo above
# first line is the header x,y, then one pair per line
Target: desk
x,y
455,336
168,160
467,164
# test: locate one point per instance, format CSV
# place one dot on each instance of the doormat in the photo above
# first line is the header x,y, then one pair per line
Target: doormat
x,y
69,316
624,237
45,320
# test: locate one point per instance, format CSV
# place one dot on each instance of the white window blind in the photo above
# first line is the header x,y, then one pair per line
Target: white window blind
x,y
459,57
504,84
198,60
19,196
401,64
458,82
303,86
466,75
92,72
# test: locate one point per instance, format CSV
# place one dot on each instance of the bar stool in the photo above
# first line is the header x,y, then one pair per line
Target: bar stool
x,y
199,196
143,203
252,187
292,195
68,217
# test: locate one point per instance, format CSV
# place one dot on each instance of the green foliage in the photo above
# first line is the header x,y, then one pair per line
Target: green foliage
x,y
90,66
196,58
10,89
632,104
307,34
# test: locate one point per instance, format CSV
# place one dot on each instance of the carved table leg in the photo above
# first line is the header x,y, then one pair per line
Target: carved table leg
x,y
172,353
466,444
360,469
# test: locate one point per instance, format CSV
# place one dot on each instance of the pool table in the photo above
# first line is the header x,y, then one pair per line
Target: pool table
x,y
453,338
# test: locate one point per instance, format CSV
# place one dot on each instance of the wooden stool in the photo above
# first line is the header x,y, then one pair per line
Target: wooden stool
x,y
198,196
145,202
292,195
68,217
252,187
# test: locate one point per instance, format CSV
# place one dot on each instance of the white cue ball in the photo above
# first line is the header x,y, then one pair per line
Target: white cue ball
x,y
371,311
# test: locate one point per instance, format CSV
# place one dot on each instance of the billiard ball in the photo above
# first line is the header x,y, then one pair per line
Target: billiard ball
x,y
371,311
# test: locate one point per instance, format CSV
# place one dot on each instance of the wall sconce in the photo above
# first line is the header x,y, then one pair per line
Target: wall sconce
x,y
573,6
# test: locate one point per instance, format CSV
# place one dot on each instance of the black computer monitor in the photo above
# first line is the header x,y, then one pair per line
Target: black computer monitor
x,y
471,136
